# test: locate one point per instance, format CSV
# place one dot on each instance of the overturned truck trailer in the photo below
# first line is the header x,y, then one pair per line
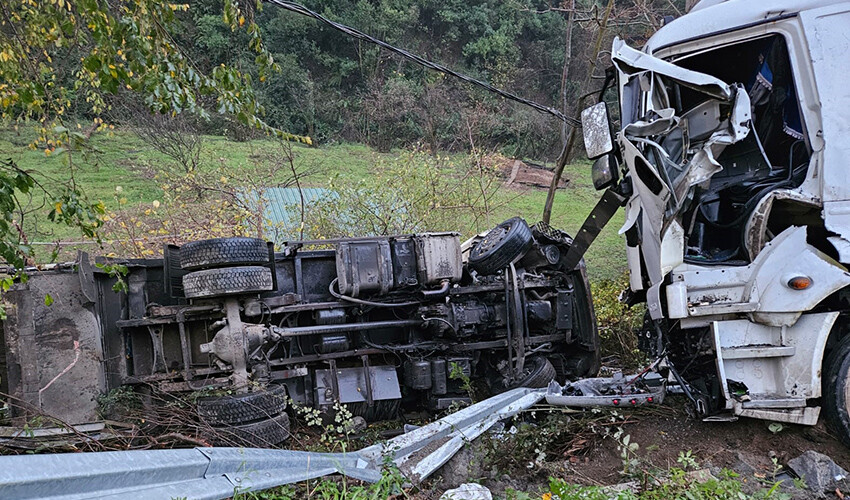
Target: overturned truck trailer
x,y
377,324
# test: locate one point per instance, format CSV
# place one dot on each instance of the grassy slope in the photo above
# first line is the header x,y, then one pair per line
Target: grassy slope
x,y
121,155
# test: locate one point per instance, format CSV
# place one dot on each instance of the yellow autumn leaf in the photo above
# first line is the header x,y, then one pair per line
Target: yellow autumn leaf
x,y
58,207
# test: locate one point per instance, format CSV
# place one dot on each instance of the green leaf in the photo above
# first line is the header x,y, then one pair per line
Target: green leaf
x,y
48,299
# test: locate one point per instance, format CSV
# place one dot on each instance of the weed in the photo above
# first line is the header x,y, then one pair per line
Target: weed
x,y
628,452
776,467
32,424
335,426
512,494
687,460
456,372
391,485
118,401
555,434
675,483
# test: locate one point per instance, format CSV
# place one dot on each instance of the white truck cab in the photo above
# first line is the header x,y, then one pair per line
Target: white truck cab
x,y
732,158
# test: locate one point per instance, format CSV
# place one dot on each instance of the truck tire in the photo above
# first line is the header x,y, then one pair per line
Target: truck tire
x,y
836,390
263,434
539,372
504,244
243,408
227,281
239,251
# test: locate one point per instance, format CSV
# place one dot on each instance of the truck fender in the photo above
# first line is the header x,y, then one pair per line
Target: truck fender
x,y
791,257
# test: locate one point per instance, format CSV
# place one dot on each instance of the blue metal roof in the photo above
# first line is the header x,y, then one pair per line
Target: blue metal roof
x,y
281,209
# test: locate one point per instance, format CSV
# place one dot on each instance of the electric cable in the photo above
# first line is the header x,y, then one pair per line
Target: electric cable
x,y
359,35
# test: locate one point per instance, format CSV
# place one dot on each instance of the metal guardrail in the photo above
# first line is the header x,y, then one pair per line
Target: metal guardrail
x,y
211,473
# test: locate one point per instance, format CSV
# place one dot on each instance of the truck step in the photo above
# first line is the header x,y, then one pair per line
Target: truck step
x,y
777,403
761,351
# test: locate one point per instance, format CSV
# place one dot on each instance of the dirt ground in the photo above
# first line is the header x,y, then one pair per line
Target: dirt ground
x,y
745,446
520,174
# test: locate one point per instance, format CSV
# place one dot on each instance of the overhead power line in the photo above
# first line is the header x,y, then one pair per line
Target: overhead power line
x,y
359,35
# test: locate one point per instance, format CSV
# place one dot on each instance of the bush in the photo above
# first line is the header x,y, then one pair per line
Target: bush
x,y
618,323
412,193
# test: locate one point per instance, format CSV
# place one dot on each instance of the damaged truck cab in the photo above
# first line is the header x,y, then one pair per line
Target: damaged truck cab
x,y
733,148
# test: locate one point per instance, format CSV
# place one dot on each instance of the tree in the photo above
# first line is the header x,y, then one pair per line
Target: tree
x,y
55,54
62,62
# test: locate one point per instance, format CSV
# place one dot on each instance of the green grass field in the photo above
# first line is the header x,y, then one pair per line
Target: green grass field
x,y
122,159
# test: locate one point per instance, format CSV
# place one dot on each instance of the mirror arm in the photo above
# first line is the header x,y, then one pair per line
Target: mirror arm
x,y
610,74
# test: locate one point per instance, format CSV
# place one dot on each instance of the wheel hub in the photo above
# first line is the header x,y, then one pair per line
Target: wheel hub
x,y
492,239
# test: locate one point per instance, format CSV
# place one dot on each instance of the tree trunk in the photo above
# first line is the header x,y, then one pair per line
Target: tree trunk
x,y
568,146
568,52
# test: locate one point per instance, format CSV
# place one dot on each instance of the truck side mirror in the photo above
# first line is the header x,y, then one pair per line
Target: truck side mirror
x,y
604,171
597,130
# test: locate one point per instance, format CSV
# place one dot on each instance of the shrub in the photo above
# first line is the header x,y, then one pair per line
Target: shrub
x,y
412,193
618,323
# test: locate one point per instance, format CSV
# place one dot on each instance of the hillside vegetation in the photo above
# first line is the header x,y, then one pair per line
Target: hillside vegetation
x,y
129,177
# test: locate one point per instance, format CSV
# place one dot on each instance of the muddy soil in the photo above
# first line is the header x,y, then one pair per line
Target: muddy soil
x,y
520,174
746,446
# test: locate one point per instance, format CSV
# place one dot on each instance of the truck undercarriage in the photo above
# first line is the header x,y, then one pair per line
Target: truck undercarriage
x,y
378,324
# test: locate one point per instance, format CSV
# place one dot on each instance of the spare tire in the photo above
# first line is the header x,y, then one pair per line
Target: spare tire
x,y
504,244
262,434
539,371
239,251
243,408
227,281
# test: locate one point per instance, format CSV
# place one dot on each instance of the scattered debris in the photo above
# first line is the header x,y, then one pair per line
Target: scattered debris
x,y
356,424
468,491
618,390
819,472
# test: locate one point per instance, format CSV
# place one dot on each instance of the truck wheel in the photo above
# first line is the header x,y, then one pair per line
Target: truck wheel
x,y
836,390
504,244
239,251
262,434
227,281
538,373
242,408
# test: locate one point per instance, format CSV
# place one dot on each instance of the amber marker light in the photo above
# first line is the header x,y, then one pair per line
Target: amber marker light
x,y
799,282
